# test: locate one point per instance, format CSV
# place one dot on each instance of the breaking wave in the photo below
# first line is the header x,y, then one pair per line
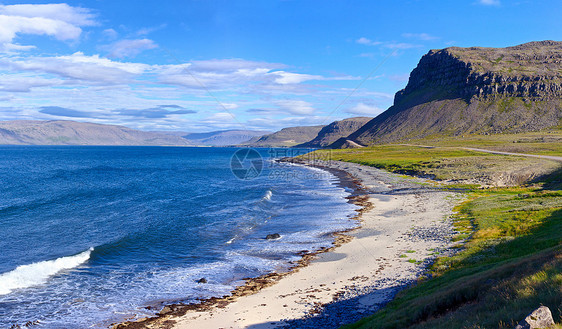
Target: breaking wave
x,y
30,275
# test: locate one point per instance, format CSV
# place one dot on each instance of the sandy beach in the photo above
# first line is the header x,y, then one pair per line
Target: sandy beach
x,y
404,224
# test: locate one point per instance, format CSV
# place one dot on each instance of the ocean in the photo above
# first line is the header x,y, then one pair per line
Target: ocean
x,y
92,235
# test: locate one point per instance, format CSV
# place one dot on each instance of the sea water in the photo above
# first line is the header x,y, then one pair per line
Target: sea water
x,y
91,235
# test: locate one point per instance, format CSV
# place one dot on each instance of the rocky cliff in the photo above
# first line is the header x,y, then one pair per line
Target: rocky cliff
x,y
456,90
336,130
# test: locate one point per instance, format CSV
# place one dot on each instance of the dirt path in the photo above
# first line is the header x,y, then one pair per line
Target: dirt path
x,y
548,157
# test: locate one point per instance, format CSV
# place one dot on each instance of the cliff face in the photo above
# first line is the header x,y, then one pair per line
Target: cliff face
x,y
475,90
336,130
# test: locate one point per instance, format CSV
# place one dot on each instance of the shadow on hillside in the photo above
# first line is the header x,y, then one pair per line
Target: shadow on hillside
x,y
338,313
553,181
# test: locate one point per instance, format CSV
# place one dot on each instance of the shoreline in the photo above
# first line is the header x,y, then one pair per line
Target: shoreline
x,y
370,286
254,285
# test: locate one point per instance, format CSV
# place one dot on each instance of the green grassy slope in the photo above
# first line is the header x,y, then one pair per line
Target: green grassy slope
x,y
547,142
446,163
511,260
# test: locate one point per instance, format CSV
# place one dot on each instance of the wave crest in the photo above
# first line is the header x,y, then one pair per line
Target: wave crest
x,y
267,195
25,276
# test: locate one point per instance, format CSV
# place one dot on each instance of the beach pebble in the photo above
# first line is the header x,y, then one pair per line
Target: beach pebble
x,y
166,310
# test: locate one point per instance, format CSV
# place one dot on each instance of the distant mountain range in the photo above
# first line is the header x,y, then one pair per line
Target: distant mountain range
x,y
27,132
286,137
224,137
80,133
23,132
334,131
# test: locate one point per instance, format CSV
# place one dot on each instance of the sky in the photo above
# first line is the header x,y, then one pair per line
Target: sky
x,y
203,65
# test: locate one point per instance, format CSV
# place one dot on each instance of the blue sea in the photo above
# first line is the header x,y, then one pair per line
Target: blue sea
x,y
91,236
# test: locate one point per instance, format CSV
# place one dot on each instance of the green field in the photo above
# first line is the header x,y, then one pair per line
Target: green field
x,y
548,142
511,260
453,164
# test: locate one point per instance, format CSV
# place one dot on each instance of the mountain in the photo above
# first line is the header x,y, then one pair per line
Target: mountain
x,y
336,130
345,143
456,90
285,137
223,138
23,132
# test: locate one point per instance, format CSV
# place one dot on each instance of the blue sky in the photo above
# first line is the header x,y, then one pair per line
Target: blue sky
x,y
211,65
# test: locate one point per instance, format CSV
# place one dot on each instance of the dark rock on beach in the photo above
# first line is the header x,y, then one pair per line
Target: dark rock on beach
x,y
273,236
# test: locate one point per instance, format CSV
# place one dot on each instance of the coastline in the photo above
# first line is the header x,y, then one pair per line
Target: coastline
x,y
355,271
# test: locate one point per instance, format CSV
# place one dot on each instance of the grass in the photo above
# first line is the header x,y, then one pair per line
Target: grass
x,y
548,142
466,169
509,264
401,158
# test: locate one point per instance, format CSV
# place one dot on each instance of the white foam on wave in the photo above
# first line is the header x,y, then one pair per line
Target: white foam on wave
x,y
25,276
267,195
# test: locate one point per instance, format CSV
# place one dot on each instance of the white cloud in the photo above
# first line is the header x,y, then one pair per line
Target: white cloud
x,y
130,48
148,30
284,78
399,77
367,55
213,75
229,106
220,120
60,12
232,65
57,20
420,36
391,45
279,123
364,109
489,2
100,86
80,67
368,42
11,25
297,107
110,33
216,74
221,116
24,83
10,47
401,45
237,74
